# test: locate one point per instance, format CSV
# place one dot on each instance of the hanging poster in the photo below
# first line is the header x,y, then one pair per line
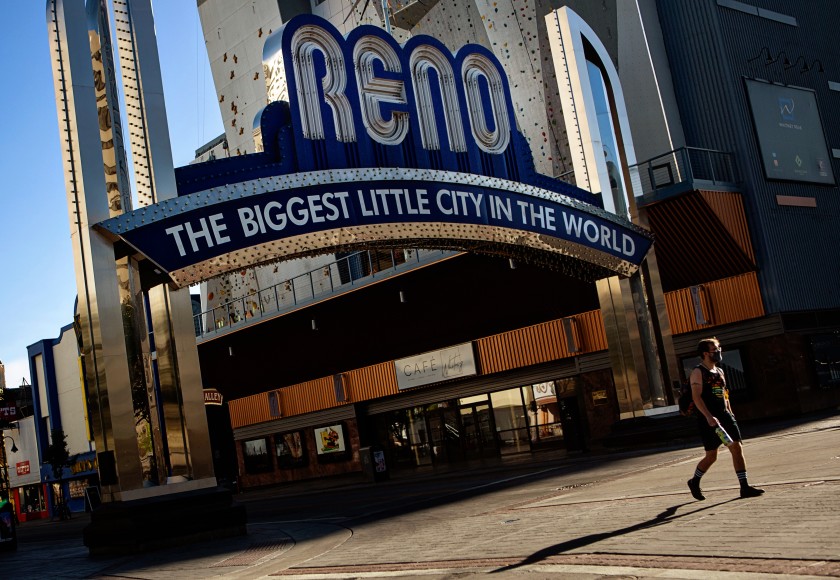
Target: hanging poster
x,y
330,440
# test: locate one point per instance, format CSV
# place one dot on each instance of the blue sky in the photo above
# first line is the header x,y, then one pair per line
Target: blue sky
x,y
37,286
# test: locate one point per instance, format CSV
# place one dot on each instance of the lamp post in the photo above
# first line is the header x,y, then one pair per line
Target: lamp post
x,y
6,483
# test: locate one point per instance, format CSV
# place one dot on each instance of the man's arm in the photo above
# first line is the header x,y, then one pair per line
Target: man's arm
x,y
696,380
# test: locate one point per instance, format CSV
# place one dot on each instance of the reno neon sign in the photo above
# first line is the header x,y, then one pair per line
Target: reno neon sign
x,y
366,101
368,143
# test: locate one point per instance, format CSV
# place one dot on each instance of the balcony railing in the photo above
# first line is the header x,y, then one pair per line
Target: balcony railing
x,y
345,274
686,169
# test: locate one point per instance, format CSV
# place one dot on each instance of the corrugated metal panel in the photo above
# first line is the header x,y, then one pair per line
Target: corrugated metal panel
x,y
293,400
689,224
372,382
711,49
729,209
594,335
248,410
297,422
723,302
309,396
539,343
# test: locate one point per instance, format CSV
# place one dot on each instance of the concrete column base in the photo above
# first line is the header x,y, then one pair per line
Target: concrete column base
x,y
129,527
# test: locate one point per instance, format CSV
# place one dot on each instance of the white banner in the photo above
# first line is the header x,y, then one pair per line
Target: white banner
x,y
436,366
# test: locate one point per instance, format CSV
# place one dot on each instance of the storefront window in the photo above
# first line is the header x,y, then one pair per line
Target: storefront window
x,y
511,421
420,447
517,420
77,488
826,352
257,459
290,449
394,428
543,413
32,499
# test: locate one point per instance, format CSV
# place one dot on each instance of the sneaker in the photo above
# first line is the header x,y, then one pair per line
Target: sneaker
x,y
750,491
694,486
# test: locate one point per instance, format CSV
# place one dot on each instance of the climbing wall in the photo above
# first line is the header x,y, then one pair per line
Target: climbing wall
x,y
515,31
235,32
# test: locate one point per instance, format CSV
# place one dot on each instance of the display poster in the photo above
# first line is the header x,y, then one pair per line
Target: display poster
x,y
790,133
330,440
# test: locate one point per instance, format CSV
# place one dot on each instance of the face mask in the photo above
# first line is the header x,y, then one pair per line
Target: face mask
x,y
717,356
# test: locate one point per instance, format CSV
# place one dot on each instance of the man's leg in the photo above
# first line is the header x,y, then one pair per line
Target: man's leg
x,y
700,471
740,465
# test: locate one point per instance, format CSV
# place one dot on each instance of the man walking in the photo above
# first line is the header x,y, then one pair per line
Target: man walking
x,y
711,399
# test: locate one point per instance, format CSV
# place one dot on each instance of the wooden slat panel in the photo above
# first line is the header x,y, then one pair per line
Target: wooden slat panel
x,y
710,220
592,329
729,208
539,343
724,301
309,396
249,410
371,382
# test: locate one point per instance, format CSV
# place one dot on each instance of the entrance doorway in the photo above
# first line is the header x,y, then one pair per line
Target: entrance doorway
x,y
444,434
479,433
462,433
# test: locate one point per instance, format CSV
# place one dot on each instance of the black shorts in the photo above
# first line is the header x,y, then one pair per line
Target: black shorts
x,y
711,441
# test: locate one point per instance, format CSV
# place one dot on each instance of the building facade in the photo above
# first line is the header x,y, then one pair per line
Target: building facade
x,y
714,121
58,403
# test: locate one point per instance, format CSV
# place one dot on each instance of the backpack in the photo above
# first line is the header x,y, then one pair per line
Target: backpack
x,y
686,400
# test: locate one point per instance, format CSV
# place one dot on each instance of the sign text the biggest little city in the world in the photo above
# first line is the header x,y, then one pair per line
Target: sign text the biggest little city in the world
x,y
324,210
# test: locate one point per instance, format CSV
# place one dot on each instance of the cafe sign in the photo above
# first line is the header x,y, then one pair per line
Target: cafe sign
x,y
433,367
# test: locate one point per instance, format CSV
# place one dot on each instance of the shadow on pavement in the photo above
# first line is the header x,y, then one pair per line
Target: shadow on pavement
x,y
363,501
666,517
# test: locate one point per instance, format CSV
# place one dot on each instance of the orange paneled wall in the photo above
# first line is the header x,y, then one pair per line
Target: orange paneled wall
x,y
540,343
722,302
518,348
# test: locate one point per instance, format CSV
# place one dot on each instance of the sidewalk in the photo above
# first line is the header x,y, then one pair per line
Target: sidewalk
x,y
618,515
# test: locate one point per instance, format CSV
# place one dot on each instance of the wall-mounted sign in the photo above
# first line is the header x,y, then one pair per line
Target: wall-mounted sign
x,y
190,238
8,411
544,393
436,366
368,142
599,397
83,465
212,397
22,467
329,440
790,133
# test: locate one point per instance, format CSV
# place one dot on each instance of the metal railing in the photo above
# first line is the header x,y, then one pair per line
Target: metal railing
x,y
689,166
346,273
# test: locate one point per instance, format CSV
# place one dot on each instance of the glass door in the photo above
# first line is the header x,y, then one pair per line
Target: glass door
x,y
444,434
479,433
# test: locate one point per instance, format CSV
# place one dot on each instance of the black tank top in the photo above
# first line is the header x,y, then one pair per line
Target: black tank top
x,y
715,393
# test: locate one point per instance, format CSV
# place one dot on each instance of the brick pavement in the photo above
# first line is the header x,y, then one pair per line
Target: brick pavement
x,y
633,517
